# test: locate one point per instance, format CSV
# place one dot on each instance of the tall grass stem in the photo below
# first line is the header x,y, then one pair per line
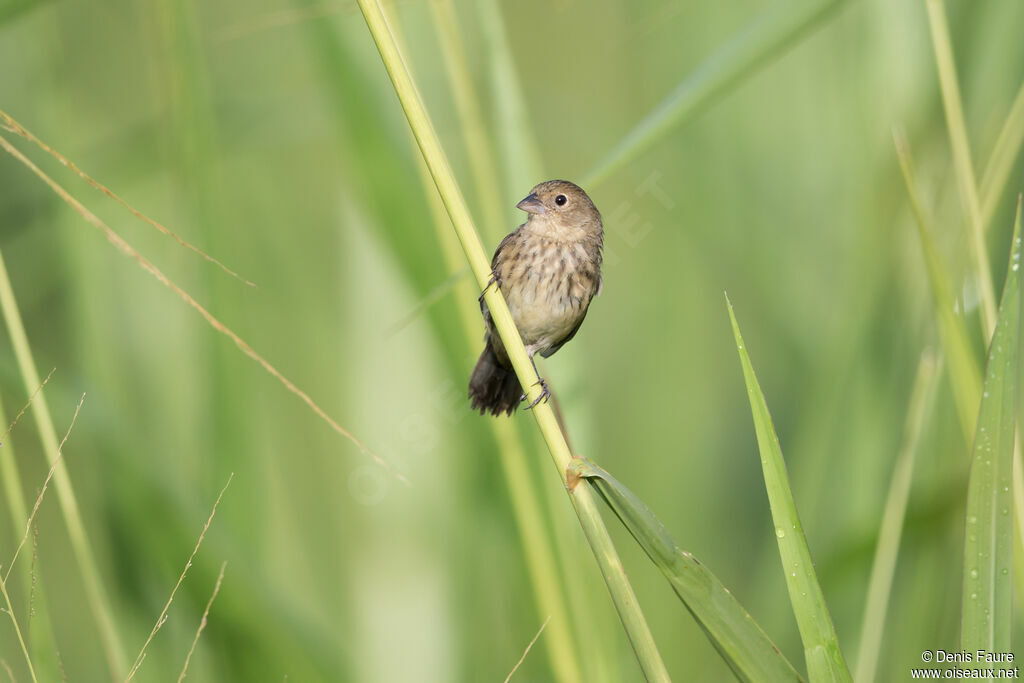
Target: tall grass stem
x,y
777,28
876,603
957,128
99,603
583,499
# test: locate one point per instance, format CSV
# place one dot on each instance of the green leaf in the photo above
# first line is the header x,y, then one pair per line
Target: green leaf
x,y
988,550
1000,164
825,660
883,569
964,374
743,645
779,27
952,102
15,8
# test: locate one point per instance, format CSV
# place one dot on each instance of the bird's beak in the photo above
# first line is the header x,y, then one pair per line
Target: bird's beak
x,y
532,204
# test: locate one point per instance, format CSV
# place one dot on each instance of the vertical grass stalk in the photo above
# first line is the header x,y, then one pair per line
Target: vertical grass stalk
x,y
520,152
536,542
962,159
583,499
9,608
471,120
964,375
988,550
1000,163
99,603
825,660
883,568
539,546
780,26
40,628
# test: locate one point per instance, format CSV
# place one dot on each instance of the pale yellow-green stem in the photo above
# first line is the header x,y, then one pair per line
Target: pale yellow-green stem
x,y
1000,164
537,543
962,160
535,540
973,205
96,596
17,629
876,603
582,497
40,628
471,120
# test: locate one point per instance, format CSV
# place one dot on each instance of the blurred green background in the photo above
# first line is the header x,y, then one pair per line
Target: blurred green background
x,y
268,134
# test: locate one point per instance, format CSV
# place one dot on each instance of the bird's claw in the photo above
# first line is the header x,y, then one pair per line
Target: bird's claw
x,y
493,280
545,394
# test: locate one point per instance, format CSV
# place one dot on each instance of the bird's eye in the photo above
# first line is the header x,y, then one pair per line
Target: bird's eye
x,y
561,200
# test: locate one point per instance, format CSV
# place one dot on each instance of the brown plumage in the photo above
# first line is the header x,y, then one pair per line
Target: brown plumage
x,y
548,269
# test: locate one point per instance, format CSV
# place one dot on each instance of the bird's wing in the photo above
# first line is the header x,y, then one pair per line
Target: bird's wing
x,y
494,278
572,333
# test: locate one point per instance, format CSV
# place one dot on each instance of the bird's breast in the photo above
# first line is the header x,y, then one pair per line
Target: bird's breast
x,y
548,286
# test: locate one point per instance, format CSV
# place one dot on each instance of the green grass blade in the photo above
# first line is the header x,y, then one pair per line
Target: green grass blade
x,y
1000,164
95,592
962,159
743,645
988,550
520,154
535,539
585,503
15,8
471,121
825,660
964,375
876,604
539,548
777,28
41,638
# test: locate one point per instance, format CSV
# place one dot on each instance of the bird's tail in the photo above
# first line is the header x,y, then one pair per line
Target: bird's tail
x,y
492,386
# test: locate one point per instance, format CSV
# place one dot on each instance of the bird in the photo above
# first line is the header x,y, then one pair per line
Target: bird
x,y
549,270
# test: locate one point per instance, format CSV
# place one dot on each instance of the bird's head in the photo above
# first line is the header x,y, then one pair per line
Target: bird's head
x,y
562,207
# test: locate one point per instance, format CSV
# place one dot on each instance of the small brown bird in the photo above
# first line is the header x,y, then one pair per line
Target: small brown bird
x,y
548,269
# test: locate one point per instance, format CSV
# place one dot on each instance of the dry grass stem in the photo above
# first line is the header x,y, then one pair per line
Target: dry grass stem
x,y
42,491
24,408
18,129
202,622
527,650
216,324
163,615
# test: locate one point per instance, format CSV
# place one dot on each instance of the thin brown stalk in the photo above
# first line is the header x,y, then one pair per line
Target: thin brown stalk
x,y
19,129
42,491
33,576
24,408
202,622
527,650
3,581
163,614
216,324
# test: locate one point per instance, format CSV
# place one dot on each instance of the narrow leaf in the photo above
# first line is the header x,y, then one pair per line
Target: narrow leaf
x,y
743,645
825,660
1000,164
780,26
883,569
988,550
586,507
952,102
964,375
